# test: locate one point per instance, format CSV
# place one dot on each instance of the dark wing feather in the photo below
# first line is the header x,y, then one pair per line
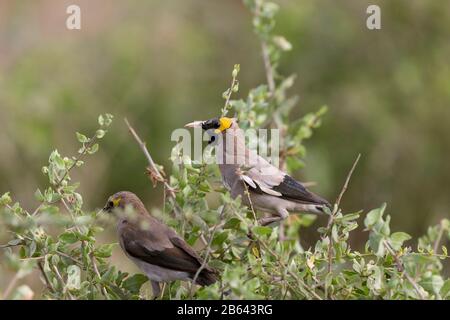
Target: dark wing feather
x,y
294,190
182,245
138,245
288,189
208,275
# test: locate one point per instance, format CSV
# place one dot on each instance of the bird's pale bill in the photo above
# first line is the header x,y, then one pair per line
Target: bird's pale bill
x,y
194,124
218,124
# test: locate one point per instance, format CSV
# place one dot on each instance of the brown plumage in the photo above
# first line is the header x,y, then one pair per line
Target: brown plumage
x,y
155,248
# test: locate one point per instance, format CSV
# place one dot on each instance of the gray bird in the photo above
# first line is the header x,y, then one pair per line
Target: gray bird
x,y
271,190
154,247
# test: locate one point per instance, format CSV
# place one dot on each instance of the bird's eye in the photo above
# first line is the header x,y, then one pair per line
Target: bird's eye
x,y
110,204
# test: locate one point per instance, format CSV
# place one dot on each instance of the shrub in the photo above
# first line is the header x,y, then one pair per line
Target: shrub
x,y
256,262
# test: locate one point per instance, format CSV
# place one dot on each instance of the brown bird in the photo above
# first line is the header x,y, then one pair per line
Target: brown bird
x,y
154,247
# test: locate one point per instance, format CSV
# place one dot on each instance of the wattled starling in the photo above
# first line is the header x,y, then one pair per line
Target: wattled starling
x,y
270,189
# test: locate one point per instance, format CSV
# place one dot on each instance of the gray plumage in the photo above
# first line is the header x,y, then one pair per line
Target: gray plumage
x,y
154,247
271,190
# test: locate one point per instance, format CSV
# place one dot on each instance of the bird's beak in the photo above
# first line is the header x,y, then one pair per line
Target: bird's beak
x,y
195,124
100,212
107,208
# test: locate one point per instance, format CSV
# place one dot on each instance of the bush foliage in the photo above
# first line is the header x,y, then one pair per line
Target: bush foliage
x,y
58,238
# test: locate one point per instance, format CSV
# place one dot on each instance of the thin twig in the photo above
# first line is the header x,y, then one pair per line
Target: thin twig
x,y
46,279
92,141
62,282
4,246
167,188
278,259
86,148
149,158
266,56
78,262
69,211
335,210
247,192
38,208
401,268
94,265
208,252
344,188
103,289
268,67
229,93
162,291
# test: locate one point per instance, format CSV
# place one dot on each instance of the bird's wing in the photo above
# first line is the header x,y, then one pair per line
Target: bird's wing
x,y
181,244
265,178
156,247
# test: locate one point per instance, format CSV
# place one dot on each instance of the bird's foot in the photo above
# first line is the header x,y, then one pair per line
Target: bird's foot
x,y
268,220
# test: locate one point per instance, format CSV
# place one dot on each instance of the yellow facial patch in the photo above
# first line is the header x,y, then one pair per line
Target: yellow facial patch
x,y
116,201
225,123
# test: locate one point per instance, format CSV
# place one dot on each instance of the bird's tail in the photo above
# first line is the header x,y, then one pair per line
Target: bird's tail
x,y
318,203
206,277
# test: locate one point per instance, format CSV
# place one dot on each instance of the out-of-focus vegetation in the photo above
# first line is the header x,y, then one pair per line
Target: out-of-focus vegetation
x,y
165,63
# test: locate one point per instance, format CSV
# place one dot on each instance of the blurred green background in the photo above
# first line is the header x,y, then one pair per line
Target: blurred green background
x,y
163,63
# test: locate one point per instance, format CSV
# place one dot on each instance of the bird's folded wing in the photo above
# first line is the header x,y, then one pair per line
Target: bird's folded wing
x,y
181,244
272,181
140,245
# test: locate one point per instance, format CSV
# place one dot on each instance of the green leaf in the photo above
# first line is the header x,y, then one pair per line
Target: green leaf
x,y
108,119
397,239
262,230
220,238
374,216
437,283
282,43
445,290
68,237
73,277
433,284
32,248
104,251
39,196
376,244
93,149
351,216
55,158
236,70
334,233
233,223
101,120
100,133
82,138
14,242
5,199
109,275
383,227
134,283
